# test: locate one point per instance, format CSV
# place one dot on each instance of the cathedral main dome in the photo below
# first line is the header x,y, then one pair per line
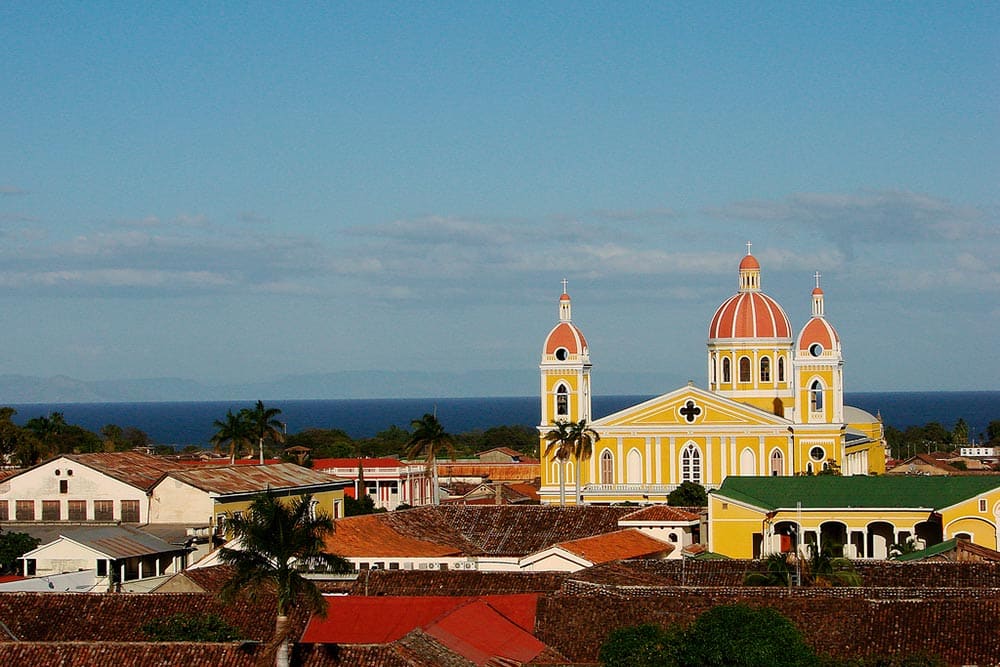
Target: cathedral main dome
x,y
749,313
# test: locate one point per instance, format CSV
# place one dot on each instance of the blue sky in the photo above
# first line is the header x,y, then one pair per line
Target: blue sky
x,y
235,191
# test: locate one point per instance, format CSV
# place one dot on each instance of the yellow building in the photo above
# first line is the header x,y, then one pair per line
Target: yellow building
x,y
774,406
858,517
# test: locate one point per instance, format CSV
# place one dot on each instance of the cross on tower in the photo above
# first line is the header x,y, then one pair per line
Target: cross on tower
x,y
690,411
748,247
816,276
564,282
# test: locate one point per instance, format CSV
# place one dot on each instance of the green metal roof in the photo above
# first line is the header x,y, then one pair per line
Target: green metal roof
x,y
829,491
920,554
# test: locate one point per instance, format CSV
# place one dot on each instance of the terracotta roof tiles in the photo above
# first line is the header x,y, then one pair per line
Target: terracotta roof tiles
x,y
663,513
431,582
619,545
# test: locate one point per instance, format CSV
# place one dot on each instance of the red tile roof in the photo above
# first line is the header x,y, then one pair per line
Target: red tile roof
x,y
450,582
115,618
371,535
663,513
130,654
620,545
497,530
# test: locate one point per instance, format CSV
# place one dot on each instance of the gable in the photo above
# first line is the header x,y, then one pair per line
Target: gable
x,y
689,407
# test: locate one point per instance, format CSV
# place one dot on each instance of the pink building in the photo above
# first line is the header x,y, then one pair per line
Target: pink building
x,y
389,482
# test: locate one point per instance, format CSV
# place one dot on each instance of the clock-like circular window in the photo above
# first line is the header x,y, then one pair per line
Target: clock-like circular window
x,y
562,353
815,349
817,453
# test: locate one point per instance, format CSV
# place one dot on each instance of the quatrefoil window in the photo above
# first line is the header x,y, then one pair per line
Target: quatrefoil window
x,y
690,412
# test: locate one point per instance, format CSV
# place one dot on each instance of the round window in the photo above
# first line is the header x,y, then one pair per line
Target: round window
x,y
815,349
817,453
562,353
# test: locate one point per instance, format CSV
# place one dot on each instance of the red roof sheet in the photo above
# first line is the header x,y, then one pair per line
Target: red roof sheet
x,y
322,464
380,620
479,631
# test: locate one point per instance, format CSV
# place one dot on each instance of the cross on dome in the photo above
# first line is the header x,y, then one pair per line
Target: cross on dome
x,y
817,276
564,283
749,244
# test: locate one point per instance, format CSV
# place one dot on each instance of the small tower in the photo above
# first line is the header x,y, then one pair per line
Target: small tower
x,y
565,370
819,368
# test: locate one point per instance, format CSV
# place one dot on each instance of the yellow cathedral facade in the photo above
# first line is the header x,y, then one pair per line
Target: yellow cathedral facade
x,y
774,406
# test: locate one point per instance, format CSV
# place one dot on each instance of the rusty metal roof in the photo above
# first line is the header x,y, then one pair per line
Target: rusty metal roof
x,y
139,470
231,480
118,541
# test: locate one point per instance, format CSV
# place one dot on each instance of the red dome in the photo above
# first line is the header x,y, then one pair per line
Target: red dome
x,y
749,262
567,336
818,330
817,291
564,297
750,315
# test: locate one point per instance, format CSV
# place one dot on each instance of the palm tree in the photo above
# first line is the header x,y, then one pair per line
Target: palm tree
x,y
560,441
428,439
262,423
273,538
583,438
234,430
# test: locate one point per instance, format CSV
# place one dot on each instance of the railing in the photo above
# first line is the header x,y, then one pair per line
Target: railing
x,y
632,489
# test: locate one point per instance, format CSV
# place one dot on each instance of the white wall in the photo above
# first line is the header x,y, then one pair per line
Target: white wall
x,y
82,483
174,501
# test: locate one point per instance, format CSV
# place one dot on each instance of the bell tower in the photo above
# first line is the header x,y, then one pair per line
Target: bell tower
x,y
819,368
565,370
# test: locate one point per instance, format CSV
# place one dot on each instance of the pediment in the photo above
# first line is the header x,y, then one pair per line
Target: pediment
x,y
690,407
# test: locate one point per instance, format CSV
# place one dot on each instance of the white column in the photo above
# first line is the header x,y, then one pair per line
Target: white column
x,y
674,472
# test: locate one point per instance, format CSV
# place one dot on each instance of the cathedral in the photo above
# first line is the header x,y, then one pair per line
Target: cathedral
x,y
774,406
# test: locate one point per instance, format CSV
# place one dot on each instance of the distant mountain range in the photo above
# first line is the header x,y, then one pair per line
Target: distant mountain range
x,y
16,389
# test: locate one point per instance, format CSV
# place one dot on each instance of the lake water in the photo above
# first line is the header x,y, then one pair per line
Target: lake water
x,y
184,423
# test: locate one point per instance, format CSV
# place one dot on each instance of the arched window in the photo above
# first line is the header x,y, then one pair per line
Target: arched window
x,y
570,472
781,369
691,464
748,462
765,369
744,369
633,467
562,401
777,463
816,396
607,468
727,372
